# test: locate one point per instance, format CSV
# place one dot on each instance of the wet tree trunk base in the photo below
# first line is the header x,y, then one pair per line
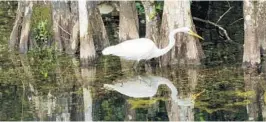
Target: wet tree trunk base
x,y
187,49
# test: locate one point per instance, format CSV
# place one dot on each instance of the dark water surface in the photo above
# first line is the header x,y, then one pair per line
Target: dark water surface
x,y
43,85
63,91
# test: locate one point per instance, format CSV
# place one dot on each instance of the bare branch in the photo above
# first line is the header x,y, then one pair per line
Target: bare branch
x,y
236,21
228,3
62,28
216,25
224,14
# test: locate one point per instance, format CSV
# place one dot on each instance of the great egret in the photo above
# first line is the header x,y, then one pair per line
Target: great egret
x,y
147,86
143,48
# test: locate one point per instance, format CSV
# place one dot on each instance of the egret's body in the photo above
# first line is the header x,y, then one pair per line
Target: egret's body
x,y
136,49
143,48
147,86
142,86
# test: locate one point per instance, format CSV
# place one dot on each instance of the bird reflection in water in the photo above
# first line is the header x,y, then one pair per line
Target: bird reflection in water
x,y
146,87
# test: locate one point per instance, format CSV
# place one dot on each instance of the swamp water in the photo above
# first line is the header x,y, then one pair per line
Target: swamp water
x,y
46,86
42,89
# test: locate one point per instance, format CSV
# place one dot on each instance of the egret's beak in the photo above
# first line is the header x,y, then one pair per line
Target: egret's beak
x,y
194,34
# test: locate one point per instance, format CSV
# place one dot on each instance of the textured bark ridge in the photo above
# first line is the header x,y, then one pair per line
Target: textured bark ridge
x,y
152,28
74,30
251,56
87,50
56,24
128,23
252,80
187,49
25,31
261,28
152,24
15,31
99,32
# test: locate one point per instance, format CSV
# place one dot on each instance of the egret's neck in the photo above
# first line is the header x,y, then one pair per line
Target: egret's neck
x,y
172,88
171,37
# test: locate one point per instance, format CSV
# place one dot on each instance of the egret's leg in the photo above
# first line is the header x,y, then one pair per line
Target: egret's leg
x,y
140,79
135,65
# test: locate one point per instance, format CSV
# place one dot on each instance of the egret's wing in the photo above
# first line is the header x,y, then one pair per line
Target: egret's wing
x,y
135,49
136,89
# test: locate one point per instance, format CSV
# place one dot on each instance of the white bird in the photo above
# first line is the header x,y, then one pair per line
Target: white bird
x,y
146,86
144,48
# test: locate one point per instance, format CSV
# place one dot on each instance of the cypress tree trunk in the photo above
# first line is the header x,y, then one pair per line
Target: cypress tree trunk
x,y
251,79
251,57
25,31
14,36
74,29
61,25
152,24
187,49
128,21
88,76
87,50
152,27
99,32
261,28
56,28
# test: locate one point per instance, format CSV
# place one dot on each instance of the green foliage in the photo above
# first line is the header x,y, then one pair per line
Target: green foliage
x,y
7,18
159,6
112,109
45,60
140,8
41,33
42,24
158,9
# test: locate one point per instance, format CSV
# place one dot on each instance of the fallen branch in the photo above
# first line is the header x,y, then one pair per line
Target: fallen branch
x,y
214,24
61,27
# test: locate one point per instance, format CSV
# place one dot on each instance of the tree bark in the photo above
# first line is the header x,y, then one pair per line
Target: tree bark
x,y
25,31
88,76
251,57
56,29
152,27
152,24
128,21
61,25
251,79
187,49
65,22
73,44
99,32
15,31
87,49
128,26
261,28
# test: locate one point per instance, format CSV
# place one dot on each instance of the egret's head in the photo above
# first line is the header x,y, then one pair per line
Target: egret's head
x,y
187,30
